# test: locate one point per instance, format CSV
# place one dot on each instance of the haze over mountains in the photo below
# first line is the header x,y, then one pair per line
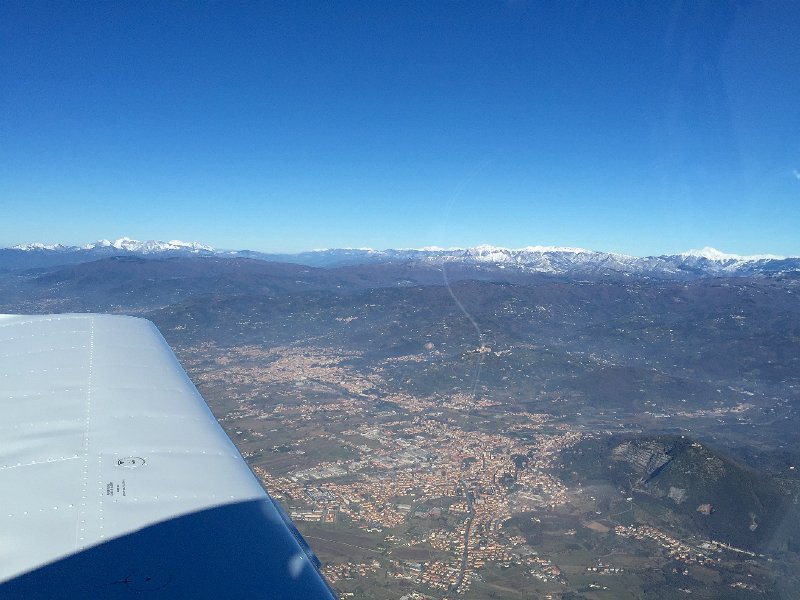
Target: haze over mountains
x,y
553,260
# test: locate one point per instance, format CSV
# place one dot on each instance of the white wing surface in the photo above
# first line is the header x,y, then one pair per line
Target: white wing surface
x,y
116,479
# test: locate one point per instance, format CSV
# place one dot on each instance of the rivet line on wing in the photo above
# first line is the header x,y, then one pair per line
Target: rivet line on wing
x,y
101,494
80,542
37,462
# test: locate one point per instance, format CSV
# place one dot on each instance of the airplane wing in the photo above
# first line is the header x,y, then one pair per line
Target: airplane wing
x,y
116,479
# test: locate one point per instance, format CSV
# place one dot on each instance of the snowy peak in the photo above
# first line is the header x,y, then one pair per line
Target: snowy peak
x,y
125,244
37,254
150,246
710,253
488,249
40,246
546,249
529,255
557,260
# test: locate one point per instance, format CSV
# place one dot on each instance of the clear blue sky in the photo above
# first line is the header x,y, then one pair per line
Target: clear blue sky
x,y
637,127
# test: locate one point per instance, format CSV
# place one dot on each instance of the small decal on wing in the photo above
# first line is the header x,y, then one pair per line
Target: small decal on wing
x,y
116,488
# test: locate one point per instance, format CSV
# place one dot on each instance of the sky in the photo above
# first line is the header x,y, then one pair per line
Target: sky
x,y
636,127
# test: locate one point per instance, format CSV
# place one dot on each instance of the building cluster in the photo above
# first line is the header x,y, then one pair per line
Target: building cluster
x,y
468,483
675,548
682,551
350,570
604,569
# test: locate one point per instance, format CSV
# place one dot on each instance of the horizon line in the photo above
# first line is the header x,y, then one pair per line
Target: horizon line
x,y
707,252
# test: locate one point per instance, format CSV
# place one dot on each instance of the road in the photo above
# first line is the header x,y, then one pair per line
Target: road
x,y
465,554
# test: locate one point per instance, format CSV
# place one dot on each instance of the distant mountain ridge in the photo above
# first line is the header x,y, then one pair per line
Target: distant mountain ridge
x,y
38,255
125,244
554,260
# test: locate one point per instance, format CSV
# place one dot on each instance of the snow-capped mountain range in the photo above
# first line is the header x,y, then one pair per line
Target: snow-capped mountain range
x,y
125,244
707,262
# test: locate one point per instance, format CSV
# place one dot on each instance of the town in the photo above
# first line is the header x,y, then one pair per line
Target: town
x,y
434,482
